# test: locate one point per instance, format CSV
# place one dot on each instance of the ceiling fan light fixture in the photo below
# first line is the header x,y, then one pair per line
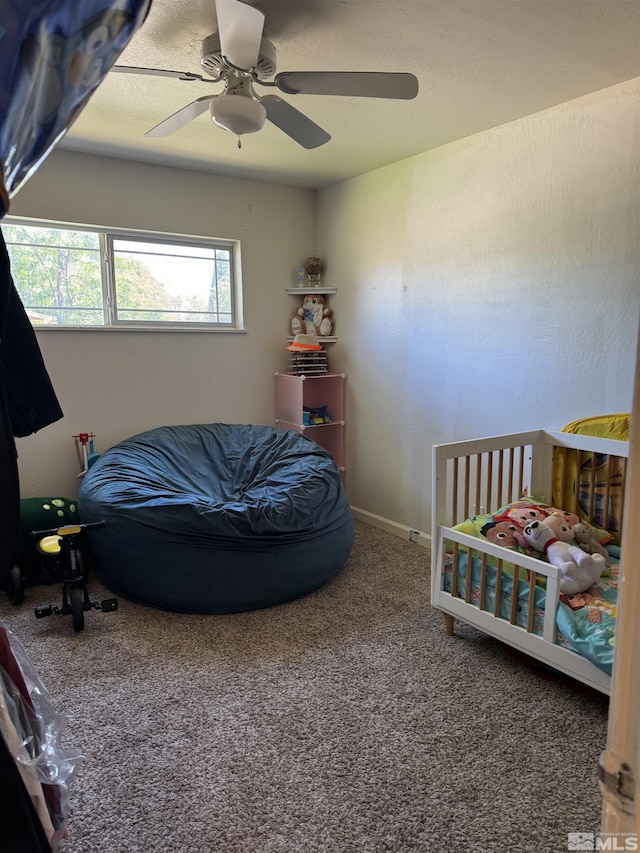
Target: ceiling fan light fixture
x,y
237,113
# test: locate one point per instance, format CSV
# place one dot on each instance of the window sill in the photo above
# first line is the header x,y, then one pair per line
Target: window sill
x,y
156,329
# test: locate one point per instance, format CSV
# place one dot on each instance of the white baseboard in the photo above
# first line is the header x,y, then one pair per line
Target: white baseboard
x,y
391,527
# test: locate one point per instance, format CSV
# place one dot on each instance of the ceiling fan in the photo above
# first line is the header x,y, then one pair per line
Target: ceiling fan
x,y
239,56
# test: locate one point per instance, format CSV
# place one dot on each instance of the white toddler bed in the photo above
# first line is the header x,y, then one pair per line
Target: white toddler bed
x,y
505,592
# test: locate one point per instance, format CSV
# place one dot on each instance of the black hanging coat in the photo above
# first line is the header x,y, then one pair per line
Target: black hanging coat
x,y
27,403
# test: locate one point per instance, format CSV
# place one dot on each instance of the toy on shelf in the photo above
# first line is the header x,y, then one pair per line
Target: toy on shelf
x,y
308,364
307,356
313,317
314,268
316,417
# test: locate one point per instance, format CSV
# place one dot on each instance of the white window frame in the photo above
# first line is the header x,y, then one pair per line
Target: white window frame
x,y
106,237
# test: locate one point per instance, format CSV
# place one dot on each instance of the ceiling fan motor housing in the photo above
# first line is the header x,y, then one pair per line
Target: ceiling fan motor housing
x,y
214,65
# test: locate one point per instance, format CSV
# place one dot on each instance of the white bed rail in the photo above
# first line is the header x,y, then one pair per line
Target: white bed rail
x,y
477,477
524,568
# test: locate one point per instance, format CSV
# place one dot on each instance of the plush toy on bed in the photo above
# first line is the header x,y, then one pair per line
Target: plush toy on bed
x,y
587,538
313,317
524,514
568,528
570,517
579,569
561,529
505,533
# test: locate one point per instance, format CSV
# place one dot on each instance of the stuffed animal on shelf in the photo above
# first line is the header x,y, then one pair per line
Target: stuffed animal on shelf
x,y
579,570
587,538
313,317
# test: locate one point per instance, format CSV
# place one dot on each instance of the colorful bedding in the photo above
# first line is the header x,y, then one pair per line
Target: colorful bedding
x,y
585,621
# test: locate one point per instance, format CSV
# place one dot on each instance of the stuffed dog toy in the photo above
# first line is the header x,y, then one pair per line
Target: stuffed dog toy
x,y
579,569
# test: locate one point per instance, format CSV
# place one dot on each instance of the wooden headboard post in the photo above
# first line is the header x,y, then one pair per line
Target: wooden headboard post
x,y
541,467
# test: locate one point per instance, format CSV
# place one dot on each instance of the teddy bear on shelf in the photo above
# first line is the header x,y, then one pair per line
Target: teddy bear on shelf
x,y
587,538
313,317
579,570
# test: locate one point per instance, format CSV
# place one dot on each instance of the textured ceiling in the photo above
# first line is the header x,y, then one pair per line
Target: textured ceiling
x,y
480,63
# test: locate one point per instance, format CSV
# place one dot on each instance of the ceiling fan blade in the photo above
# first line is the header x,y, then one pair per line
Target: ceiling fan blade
x,y
160,72
294,123
240,29
182,117
357,84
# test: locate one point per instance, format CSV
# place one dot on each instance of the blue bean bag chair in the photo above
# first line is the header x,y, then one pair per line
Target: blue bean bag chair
x,y
216,518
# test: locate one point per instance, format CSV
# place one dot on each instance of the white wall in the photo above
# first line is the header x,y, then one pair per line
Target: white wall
x,y
119,383
489,286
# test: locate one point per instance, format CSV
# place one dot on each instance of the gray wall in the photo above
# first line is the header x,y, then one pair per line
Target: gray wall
x,y
489,286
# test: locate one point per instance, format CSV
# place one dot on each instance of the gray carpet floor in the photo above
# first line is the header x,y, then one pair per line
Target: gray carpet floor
x,y
342,722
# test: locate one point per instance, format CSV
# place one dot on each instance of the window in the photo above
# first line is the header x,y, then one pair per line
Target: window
x,y
73,276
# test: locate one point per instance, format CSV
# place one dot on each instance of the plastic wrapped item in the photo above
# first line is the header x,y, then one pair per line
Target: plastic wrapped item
x,y
53,55
32,731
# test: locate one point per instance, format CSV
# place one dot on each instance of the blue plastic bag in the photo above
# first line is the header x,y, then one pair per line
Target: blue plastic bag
x,y
53,55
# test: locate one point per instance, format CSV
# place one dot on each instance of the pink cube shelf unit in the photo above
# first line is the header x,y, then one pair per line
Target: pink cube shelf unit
x,y
294,393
